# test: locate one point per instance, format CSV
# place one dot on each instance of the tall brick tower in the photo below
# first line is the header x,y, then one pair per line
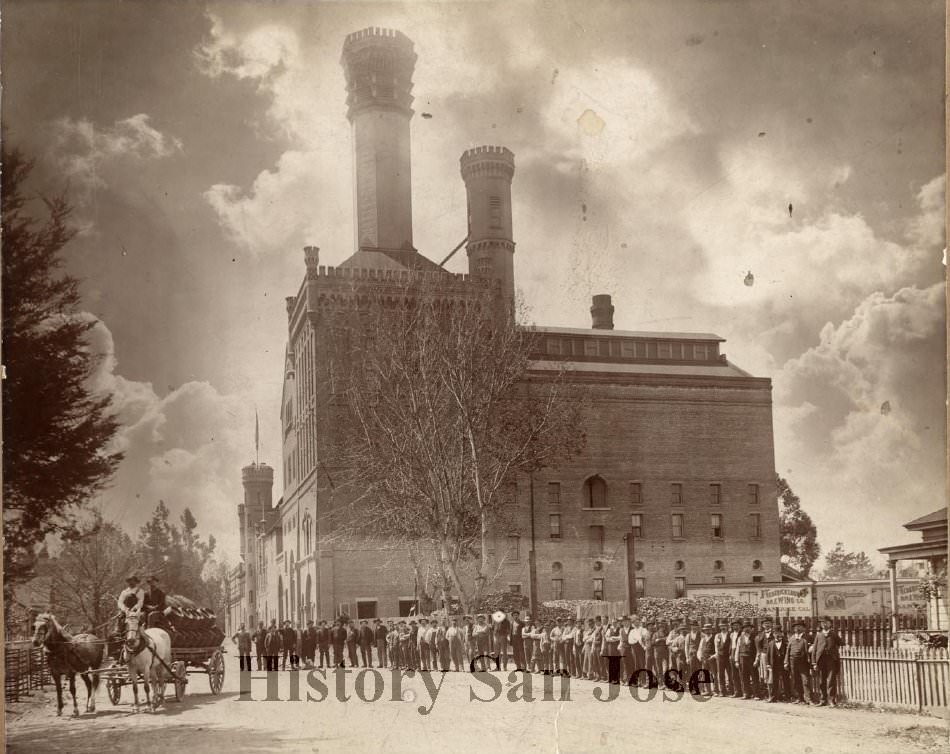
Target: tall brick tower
x,y
378,65
487,172
258,481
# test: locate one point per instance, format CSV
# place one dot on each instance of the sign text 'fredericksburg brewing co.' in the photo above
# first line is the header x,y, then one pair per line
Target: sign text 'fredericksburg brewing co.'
x,y
369,685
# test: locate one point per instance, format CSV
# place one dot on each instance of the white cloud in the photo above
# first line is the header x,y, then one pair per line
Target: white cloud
x,y
860,418
185,448
81,149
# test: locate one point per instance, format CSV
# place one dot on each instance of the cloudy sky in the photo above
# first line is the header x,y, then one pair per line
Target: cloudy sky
x,y
664,150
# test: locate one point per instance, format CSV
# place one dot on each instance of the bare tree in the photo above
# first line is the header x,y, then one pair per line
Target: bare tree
x,y
445,410
90,573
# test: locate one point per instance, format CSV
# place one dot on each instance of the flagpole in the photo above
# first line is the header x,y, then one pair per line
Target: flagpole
x,y
257,440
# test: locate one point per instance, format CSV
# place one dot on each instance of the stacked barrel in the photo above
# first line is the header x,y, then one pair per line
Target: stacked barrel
x,y
192,626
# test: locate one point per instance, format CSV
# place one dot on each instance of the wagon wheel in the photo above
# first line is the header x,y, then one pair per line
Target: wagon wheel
x,y
114,686
180,673
216,672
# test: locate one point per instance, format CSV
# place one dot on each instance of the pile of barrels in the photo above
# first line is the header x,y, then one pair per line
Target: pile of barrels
x,y
191,626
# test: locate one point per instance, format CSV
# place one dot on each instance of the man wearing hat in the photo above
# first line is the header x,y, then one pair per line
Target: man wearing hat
x,y
797,664
130,600
826,659
721,649
762,641
153,604
480,633
735,677
661,652
693,638
706,657
745,657
517,640
676,641
778,675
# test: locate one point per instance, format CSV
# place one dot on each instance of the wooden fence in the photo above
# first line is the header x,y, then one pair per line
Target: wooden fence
x,y
24,669
898,677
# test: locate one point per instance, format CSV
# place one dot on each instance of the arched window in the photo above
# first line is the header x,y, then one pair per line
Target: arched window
x,y
307,534
595,492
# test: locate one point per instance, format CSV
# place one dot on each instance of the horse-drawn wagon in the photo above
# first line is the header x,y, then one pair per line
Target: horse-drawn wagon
x,y
195,648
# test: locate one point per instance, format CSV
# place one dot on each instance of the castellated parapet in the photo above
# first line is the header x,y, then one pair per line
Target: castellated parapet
x,y
378,64
489,160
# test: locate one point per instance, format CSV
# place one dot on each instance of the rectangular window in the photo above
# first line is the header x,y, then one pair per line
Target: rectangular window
x,y
514,588
407,607
664,350
676,493
514,548
639,582
719,579
679,586
578,347
554,493
555,526
596,540
636,523
753,494
715,494
628,349
598,589
604,348
699,352
557,589
554,346
636,493
366,609
755,525
494,207
758,579
615,348
510,493
677,526
715,524
590,347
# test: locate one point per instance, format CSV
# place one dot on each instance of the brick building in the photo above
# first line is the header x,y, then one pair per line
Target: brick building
x,y
679,440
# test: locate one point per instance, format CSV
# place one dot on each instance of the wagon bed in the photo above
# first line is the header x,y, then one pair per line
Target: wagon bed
x,y
185,660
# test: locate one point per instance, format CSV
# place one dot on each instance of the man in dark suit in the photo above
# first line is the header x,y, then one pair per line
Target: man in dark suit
x,y
288,645
272,646
380,636
259,636
517,640
153,606
309,644
338,639
323,644
775,661
826,659
366,644
745,657
762,641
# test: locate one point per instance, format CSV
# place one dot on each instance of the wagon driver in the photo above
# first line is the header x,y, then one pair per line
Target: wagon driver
x,y
131,600
154,603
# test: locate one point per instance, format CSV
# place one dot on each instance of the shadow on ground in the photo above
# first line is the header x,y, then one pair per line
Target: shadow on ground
x,y
175,737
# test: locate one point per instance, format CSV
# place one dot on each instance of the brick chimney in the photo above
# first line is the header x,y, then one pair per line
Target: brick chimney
x,y
602,312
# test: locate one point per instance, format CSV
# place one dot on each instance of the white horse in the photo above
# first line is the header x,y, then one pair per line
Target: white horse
x,y
145,651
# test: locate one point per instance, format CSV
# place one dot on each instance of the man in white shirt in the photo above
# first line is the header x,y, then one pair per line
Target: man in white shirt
x,y
130,600
635,640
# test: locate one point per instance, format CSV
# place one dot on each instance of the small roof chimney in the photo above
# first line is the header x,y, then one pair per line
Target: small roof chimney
x,y
602,312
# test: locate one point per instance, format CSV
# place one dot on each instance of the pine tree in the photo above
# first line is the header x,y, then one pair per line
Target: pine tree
x,y
56,432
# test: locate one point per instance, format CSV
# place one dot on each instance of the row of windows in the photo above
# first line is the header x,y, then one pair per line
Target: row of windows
x,y
597,591
677,528
631,349
595,493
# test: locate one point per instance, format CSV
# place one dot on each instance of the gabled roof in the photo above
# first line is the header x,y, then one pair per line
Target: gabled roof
x,y
929,521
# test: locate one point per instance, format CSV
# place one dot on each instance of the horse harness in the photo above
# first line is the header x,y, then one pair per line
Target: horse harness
x,y
149,645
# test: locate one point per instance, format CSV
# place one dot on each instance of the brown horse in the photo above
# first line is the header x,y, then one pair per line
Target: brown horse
x,y
68,655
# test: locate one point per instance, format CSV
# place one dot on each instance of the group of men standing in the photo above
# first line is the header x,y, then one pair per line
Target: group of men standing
x,y
738,661
279,647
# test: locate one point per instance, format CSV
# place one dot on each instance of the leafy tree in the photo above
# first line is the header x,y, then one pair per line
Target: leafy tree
x,y
179,557
443,416
799,534
841,564
56,431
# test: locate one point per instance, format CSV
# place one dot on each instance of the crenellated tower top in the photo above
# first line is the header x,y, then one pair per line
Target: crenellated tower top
x,y
378,65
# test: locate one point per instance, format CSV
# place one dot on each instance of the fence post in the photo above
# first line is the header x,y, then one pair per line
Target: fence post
x,y
919,681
